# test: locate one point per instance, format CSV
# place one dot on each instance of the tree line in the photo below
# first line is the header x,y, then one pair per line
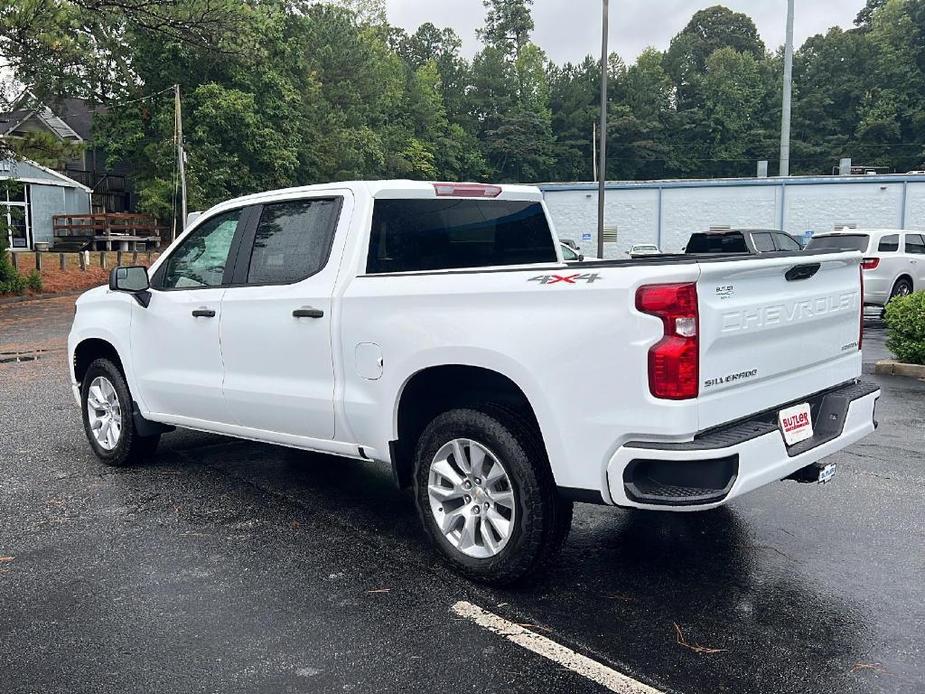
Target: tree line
x,y
291,92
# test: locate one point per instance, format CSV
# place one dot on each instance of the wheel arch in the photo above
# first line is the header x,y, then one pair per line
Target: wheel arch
x,y
90,349
441,387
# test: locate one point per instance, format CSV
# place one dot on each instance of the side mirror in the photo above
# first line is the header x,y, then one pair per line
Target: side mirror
x,y
131,280
581,257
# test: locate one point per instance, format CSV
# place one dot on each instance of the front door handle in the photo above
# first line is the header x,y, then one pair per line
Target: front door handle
x,y
308,312
203,313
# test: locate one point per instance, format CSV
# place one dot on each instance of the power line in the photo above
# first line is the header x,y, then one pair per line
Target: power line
x,y
141,98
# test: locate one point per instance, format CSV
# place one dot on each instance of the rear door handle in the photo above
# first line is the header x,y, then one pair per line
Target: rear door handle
x,y
203,313
308,312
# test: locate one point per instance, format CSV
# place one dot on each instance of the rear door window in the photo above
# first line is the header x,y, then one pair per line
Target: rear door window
x,y
915,244
889,244
839,242
292,240
426,234
785,242
763,242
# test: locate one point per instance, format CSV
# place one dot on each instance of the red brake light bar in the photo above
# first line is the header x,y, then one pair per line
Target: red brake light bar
x,y
466,190
870,263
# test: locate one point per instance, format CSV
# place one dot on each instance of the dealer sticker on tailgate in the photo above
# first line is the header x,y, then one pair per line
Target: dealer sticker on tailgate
x,y
796,423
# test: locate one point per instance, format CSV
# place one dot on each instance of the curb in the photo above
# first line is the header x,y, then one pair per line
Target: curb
x,y
888,367
19,299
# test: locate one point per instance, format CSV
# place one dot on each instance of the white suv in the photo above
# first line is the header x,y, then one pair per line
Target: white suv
x,y
892,258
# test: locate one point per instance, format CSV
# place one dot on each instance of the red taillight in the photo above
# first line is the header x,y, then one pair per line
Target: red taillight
x,y
674,361
466,190
861,326
870,263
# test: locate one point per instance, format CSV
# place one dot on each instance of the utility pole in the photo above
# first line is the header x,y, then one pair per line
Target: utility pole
x,y
785,101
181,157
594,150
602,150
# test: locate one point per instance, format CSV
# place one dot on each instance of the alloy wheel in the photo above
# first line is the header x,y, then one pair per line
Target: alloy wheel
x,y
471,498
104,413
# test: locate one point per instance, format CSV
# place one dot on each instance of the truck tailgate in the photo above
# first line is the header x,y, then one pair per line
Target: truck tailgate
x,y
774,330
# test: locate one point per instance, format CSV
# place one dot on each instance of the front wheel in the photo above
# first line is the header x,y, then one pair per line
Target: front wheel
x,y
486,495
107,417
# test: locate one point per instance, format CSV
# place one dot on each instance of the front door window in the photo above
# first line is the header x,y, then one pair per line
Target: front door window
x,y
200,260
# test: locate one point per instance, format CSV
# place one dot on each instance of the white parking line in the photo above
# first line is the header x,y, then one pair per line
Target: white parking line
x,y
556,652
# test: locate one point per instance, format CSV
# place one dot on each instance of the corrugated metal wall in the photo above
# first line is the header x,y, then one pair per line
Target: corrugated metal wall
x,y
49,194
667,212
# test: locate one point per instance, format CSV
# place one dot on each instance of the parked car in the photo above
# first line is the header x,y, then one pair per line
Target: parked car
x,y
741,241
893,259
420,325
571,244
642,249
569,254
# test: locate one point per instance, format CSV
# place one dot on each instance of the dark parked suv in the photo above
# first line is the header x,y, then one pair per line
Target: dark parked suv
x,y
753,241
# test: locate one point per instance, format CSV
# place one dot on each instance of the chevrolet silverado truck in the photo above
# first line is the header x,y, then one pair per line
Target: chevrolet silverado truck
x,y
436,328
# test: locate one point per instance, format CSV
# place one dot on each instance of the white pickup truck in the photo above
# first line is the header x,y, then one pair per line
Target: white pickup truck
x,y
435,327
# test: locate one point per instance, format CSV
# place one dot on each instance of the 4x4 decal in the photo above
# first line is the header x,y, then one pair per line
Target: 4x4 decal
x,y
588,277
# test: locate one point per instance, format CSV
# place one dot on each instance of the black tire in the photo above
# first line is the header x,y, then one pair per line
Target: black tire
x,y
902,287
130,448
542,519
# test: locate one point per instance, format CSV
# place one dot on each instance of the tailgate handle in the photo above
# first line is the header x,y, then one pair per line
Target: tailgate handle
x,y
802,272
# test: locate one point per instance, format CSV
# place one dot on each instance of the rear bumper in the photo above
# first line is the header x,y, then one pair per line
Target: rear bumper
x,y
876,290
729,461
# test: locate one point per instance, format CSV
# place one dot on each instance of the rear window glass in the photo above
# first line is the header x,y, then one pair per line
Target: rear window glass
x,y
838,242
889,244
412,235
915,244
732,242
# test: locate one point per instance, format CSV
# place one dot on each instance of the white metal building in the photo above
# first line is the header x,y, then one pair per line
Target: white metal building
x,y
38,194
668,212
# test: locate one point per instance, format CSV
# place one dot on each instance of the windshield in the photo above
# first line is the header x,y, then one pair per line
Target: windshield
x,y
839,242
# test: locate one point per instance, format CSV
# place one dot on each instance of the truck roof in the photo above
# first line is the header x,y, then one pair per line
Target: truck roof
x,y
396,188
839,232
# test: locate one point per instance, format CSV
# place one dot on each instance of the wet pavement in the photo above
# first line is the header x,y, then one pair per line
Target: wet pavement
x,y
228,566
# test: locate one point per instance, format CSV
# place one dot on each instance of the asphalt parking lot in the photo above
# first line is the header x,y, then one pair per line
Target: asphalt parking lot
x,y
228,566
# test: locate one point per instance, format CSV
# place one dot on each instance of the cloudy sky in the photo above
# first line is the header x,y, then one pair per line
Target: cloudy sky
x,y
570,29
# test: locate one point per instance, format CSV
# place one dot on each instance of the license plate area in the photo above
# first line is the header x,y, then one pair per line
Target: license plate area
x,y
796,423
826,472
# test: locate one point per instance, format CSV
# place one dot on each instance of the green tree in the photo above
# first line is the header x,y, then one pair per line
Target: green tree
x,y
508,24
709,30
510,95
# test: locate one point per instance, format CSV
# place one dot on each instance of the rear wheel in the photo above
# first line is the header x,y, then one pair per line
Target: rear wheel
x,y
486,496
903,287
107,417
